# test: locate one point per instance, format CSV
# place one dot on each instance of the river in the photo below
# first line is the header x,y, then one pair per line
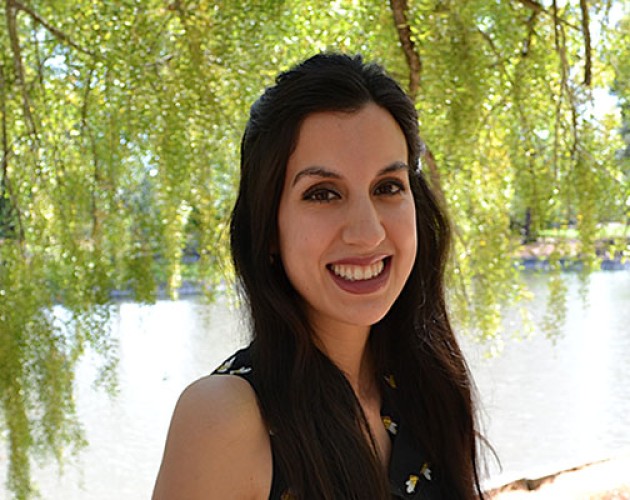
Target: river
x,y
546,405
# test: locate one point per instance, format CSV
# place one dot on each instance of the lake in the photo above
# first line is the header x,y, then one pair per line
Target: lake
x,y
546,406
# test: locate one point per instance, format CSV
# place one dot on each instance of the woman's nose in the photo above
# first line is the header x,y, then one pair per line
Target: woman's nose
x,y
363,225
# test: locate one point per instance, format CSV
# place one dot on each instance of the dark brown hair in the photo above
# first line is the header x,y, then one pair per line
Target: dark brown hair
x,y
318,427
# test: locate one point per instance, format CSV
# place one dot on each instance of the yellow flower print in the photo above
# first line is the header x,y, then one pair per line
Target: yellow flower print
x,y
227,365
391,381
426,471
390,425
241,371
411,483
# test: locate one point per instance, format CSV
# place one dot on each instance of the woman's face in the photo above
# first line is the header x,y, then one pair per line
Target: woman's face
x,y
346,220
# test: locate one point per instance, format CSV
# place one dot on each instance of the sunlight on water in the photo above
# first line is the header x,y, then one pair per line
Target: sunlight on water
x,y
551,407
545,407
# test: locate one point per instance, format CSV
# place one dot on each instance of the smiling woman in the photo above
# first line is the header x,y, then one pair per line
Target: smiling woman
x,y
346,227
353,386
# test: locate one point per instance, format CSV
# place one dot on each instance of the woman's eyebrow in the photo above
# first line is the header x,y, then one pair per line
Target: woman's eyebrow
x,y
394,167
315,172
329,174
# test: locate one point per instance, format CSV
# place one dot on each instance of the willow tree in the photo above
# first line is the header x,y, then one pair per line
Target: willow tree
x,y
119,131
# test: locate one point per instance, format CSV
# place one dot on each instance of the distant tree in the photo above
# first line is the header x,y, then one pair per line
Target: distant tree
x,y
119,131
620,65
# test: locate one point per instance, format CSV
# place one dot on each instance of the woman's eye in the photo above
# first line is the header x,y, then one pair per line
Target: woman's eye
x,y
320,195
389,188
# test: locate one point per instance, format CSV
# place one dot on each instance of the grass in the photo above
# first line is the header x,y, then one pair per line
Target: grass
x,y
610,230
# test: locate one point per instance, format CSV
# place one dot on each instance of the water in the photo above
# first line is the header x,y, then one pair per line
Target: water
x,y
549,407
546,406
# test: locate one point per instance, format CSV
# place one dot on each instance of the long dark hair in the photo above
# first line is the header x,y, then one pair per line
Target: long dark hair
x,y
318,428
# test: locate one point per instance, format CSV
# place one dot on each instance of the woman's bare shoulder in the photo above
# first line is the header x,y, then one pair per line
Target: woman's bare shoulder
x,y
218,445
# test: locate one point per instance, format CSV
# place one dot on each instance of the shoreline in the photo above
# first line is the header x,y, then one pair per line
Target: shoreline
x,y
527,263
537,255
606,478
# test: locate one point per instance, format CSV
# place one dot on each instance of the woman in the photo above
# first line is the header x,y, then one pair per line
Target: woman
x,y
354,386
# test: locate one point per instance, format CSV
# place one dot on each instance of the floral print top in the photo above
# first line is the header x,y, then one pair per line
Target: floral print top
x,y
411,476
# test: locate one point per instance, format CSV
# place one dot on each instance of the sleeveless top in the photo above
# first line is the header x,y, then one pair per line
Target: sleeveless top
x,y
411,476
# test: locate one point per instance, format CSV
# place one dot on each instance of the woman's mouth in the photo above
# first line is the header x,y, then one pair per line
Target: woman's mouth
x,y
361,278
358,273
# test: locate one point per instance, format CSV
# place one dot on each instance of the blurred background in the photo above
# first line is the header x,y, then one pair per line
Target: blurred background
x,y
120,125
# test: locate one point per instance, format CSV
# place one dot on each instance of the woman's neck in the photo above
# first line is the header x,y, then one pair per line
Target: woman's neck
x,y
347,347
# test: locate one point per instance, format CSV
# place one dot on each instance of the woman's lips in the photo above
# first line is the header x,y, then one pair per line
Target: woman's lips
x,y
360,276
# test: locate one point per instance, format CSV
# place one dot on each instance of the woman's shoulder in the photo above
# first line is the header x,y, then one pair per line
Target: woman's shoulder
x,y
218,445
223,401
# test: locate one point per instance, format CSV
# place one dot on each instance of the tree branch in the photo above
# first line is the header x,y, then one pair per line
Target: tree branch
x,y
538,8
11,13
434,176
587,42
193,36
491,43
535,6
5,185
531,22
399,11
3,112
161,61
96,177
55,31
565,91
500,58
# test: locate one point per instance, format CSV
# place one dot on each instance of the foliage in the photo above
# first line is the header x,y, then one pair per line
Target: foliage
x,y
119,131
619,61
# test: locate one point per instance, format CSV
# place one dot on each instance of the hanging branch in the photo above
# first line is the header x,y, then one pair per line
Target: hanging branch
x,y
96,177
38,56
565,93
5,185
399,10
491,43
539,8
535,6
501,60
565,88
531,22
559,44
434,175
4,163
54,31
193,36
531,169
11,13
587,42
5,141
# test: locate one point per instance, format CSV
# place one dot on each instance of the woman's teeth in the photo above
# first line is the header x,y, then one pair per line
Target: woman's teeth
x,y
358,273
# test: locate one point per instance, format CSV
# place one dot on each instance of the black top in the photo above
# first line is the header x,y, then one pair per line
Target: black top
x,y
410,475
